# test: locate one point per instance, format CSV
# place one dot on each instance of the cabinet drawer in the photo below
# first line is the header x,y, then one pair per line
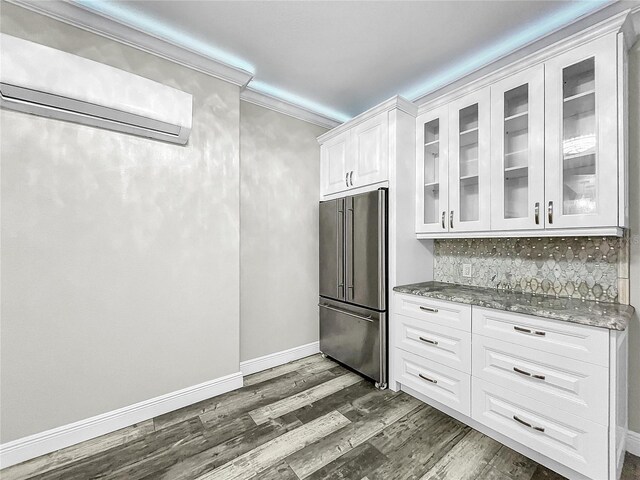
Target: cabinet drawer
x,y
569,385
444,384
448,314
445,345
571,440
580,342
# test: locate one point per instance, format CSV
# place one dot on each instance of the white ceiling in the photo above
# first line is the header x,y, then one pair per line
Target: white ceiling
x,y
340,58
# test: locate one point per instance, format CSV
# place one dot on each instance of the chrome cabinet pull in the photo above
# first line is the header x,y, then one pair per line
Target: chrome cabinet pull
x,y
550,212
444,214
451,220
428,309
346,179
523,372
427,378
427,340
529,331
537,213
527,424
351,177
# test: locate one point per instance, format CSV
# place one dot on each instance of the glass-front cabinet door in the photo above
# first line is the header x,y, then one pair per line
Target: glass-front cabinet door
x,y
517,151
581,136
432,171
469,162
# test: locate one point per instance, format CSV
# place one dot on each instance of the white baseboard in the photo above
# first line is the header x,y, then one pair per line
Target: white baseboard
x,y
49,441
633,443
279,358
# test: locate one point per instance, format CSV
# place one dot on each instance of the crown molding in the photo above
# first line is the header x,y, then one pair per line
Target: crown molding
x,y
608,20
394,103
81,17
278,105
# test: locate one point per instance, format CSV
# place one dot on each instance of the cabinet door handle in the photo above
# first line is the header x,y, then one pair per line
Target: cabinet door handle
x,y
444,214
537,213
527,424
529,331
527,374
451,220
346,179
429,309
550,212
427,378
351,177
429,341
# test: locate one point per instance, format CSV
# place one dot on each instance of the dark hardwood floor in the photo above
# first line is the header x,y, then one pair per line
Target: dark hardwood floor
x,y
307,419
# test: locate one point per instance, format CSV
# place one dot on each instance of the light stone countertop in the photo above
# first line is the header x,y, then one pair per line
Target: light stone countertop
x,y
613,316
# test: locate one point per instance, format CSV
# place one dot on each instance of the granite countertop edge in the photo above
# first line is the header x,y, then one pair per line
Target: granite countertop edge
x,y
612,316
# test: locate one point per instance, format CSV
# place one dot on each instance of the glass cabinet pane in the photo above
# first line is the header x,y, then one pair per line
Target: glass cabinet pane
x,y
431,171
516,152
468,158
579,139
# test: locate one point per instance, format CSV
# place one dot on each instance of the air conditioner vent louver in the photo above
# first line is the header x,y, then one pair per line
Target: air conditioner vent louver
x,y
48,82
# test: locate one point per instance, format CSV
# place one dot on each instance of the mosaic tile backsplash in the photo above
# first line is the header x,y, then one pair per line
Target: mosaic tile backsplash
x,y
582,267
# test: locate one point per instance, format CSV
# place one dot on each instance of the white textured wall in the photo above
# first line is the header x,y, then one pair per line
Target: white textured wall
x,y
120,255
634,211
280,178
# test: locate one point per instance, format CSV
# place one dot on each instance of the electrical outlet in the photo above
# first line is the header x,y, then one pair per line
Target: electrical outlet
x,y
466,270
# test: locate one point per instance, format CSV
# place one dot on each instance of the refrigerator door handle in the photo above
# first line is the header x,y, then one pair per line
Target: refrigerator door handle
x,y
349,248
368,318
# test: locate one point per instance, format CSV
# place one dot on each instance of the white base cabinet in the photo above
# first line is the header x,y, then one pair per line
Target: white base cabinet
x,y
553,390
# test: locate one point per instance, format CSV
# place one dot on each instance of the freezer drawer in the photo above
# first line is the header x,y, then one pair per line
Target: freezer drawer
x,y
354,336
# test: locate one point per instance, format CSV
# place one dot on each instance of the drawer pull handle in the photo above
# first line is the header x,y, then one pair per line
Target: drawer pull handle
x,y
428,309
529,331
523,372
431,380
427,340
527,424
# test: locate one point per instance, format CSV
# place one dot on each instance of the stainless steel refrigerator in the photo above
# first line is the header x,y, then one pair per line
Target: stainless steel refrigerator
x,y
353,282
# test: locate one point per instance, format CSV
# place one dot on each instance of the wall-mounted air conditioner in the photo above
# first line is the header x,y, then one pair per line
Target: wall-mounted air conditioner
x,y
44,81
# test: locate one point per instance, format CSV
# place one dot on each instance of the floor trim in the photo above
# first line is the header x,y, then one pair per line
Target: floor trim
x,y
49,441
279,358
633,443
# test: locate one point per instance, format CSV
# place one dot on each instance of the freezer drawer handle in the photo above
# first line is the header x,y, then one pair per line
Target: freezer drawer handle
x,y
368,318
427,340
527,424
529,331
429,309
431,380
523,372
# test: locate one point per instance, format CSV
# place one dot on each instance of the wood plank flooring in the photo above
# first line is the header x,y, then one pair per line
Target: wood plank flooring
x,y
310,419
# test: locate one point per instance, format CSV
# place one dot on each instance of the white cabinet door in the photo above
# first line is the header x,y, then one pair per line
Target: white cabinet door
x,y
370,150
517,151
469,162
581,136
334,158
432,171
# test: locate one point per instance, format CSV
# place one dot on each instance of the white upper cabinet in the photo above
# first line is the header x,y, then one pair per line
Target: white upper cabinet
x,y
517,151
432,171
356,155
582,136
370,144
469,162
538,151
334,164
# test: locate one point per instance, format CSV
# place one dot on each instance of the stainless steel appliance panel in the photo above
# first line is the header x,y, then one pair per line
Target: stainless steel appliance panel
x,y
356,337
366,249
332,247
